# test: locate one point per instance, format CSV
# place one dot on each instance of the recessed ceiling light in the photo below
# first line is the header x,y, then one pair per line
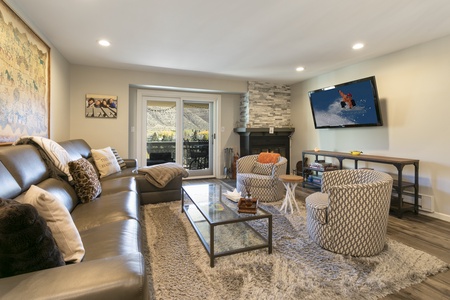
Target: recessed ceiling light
x,y
104,43
358,46
299,69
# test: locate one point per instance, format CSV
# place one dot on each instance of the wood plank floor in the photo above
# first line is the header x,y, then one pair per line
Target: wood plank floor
x,y
420,232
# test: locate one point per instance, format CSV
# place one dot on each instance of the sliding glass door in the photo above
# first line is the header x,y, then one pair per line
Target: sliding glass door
x,y
197,137
161,131
180,130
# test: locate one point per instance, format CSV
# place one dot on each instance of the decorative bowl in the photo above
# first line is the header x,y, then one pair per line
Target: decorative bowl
x,y
356,153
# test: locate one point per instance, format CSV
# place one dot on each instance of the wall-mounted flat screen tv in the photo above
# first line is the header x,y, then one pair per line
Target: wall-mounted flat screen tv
x,y
350,104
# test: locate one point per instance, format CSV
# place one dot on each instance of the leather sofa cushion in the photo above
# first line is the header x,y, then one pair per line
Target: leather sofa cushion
x,y
106,209
10,187
119,184
61,190
123,173
77,148
25,164
108,240
118,277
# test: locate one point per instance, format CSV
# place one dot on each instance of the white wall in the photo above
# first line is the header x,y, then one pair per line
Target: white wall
x,y
59,97
116,132
59,85
413,87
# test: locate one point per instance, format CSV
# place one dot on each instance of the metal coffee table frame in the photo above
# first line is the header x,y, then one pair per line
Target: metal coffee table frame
x,y
207,211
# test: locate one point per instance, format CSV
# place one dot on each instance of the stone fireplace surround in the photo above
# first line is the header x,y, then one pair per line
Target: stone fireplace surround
x,y
263,107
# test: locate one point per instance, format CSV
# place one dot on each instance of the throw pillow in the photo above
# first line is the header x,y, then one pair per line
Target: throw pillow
x,y
266,157
262,169
120,161
26,242
105,161
60,222
87,185
54,151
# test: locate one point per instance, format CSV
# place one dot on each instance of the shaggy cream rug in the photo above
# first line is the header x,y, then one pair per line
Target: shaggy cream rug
x,y
297,269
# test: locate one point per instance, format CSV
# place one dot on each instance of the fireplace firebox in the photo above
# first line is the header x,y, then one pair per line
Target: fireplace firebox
x,y
257,140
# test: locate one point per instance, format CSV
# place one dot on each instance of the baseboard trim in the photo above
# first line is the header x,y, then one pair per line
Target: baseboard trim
x,y
436,215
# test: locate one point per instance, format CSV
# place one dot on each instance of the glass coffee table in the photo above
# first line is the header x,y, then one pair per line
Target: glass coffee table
x,y
221,229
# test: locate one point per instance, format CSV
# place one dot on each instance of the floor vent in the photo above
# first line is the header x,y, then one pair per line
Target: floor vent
x,y
426,202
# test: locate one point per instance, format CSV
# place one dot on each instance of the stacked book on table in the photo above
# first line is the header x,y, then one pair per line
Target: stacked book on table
x,y
248,206
322,166
315,179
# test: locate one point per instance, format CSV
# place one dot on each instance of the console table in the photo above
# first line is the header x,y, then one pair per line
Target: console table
x,y
397,204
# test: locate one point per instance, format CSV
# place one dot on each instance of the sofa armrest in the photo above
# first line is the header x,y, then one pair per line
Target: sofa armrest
x,y
130,162
119,277
245,163
280,167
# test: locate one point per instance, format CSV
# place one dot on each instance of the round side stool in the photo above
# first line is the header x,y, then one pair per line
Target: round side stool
x,y
290,183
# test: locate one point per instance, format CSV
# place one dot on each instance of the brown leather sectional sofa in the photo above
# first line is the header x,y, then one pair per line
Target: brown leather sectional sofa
x,y
110,228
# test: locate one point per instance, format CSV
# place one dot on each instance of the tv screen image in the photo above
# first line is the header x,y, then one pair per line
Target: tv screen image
x,y
350,104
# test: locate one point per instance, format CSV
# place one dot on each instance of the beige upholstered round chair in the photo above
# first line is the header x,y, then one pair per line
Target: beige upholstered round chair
x,y
351,213
260,179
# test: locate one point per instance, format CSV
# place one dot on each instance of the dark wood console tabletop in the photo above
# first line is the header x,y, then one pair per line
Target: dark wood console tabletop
x,y
397,204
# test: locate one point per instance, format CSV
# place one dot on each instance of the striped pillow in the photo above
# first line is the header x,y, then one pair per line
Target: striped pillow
x,y
120,161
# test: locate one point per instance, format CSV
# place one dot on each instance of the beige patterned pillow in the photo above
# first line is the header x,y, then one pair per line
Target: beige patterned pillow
x,y
59,221
262,169
106,161
87,185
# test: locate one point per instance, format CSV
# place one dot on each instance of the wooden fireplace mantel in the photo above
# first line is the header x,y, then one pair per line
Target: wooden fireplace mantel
x,y
264,131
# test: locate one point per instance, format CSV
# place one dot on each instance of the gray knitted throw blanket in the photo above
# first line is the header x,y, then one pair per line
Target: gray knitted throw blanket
x,y
161,175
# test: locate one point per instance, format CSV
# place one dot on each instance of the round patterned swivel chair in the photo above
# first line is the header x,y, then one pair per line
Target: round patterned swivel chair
x,y
351,213
260,179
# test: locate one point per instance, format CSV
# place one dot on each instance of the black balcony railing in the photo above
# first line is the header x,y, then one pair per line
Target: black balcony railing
x,y
195,153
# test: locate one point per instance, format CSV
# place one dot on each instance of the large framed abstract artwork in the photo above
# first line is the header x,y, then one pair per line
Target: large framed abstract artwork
x,y
24,79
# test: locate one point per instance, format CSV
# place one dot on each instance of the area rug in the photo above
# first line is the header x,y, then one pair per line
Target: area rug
x,y
230,183
297,269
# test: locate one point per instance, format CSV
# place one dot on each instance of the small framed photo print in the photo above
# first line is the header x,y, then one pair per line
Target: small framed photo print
x,y
101,106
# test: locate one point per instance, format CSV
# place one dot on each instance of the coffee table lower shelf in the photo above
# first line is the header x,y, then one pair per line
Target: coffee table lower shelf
x,y
229,236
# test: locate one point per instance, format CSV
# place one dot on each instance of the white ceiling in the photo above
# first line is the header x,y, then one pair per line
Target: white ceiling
x,y
262,40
